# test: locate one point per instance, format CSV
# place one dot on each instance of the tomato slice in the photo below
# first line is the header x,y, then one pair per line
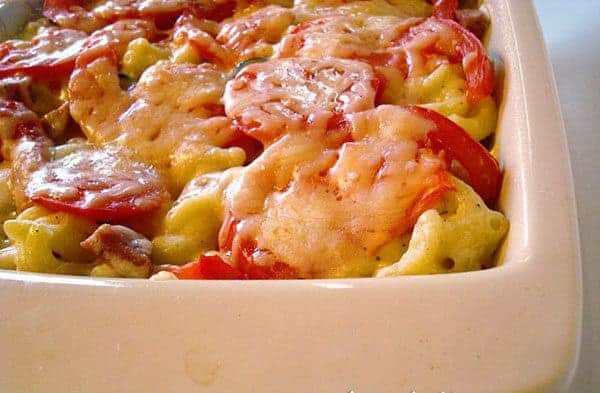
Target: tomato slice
x,y
243,250
189,271
282,96
430,198
97,184
460,46
50,53
483,172
444,9
207,267
276,271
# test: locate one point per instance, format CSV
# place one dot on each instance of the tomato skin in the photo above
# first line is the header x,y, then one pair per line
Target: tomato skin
x,y
54,9
189,271
51,6
228,240
212,267
93,183
465,48
276,271
207,267
41,57
483,171
478,70
430,198
115,212
444,9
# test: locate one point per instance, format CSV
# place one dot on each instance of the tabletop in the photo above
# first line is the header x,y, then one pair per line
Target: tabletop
x,y
572,33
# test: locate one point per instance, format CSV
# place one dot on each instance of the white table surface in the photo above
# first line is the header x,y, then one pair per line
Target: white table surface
x,y
572,33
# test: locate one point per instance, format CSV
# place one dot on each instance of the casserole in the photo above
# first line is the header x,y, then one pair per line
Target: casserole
x,y
512,328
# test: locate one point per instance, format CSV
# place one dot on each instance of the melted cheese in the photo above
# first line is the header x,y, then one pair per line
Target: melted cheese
x,y
155,121
410,77
197,36
324,211
254,34
344,36
289,95
339,184
313,9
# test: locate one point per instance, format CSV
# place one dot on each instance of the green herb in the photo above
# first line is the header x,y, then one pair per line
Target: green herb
x,y
236,70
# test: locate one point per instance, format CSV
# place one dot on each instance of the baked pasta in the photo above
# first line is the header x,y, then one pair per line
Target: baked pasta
x,y
241,139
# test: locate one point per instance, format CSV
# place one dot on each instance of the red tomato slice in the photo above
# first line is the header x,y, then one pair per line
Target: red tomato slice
x,y
430,198
189,271
276,271
97,184
50,53
207,267
243,255
461,46
482,169
444,9
212,267
282,96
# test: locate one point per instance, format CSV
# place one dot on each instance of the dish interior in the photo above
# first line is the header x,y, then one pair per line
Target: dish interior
x,y
514,328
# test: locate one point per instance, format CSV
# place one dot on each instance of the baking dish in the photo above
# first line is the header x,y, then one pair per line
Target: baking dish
x,y
514,328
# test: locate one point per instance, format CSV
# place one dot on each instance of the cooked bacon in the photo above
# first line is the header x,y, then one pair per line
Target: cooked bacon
x,y
124,250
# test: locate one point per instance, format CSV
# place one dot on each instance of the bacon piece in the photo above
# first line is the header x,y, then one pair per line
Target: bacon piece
x,y
124,250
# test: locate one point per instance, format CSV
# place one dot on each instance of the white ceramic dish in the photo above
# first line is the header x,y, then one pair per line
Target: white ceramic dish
x,y
514,328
